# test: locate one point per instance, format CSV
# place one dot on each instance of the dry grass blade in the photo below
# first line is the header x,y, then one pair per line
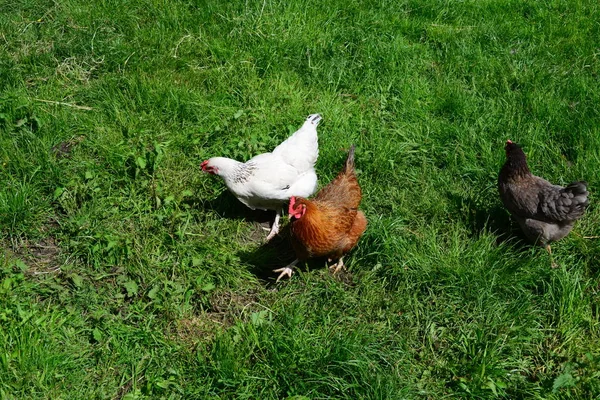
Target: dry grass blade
x,y
60,103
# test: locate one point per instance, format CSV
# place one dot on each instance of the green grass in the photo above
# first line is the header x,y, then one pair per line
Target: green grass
x,y
128,274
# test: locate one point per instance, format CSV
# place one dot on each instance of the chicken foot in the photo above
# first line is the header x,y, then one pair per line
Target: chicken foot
x,y
275,227
337,266
552,263
287,270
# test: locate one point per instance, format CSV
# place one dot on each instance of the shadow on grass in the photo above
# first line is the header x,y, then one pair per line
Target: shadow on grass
x,y
274,254
481,217
494,219
227,206
278,253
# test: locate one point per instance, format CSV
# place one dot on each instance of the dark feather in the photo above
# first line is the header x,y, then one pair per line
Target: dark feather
x,y
546,212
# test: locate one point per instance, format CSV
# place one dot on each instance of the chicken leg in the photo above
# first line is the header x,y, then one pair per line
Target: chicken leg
x,y
275,227
337,266
552,263
287,270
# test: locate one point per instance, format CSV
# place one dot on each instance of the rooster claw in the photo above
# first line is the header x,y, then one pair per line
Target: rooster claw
x,y
337,266
272,234
285,271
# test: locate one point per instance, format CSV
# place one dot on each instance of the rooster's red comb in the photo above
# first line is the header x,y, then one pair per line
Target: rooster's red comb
x,y
292,203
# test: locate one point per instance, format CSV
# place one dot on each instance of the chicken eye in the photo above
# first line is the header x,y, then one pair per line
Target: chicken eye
x,y
303,211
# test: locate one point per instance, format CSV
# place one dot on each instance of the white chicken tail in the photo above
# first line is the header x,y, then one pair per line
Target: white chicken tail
x,y
313,119
301,150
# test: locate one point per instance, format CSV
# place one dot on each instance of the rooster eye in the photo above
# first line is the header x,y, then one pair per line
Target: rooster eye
x,y
303,210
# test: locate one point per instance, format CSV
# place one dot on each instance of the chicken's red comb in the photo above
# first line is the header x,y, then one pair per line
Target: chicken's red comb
x,y
292,203
203,165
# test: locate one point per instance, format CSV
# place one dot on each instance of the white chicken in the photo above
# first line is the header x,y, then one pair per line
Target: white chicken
x,y
268,180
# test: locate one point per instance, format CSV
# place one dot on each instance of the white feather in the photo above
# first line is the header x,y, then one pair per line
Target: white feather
x,y
268,180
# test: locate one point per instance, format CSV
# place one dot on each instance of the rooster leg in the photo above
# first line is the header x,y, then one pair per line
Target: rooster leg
x,y
287,270
275,227
552,263
337,266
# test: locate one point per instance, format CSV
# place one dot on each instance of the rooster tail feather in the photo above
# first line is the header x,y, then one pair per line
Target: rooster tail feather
x,y
350,160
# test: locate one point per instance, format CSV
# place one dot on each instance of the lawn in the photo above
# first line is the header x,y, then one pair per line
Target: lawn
x,y
127,273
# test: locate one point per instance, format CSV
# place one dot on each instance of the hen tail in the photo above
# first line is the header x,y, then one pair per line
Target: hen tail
x,y
558,204
579,195
302,148
344,190
349,167
313,119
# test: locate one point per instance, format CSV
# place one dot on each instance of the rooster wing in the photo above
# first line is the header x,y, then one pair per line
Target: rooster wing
x,y
356,231
324,231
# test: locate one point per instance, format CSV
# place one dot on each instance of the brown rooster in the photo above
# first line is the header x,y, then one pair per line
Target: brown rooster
x,y
545,212
330,224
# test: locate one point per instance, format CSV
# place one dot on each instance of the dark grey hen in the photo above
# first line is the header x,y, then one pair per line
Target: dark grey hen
x,y
545,212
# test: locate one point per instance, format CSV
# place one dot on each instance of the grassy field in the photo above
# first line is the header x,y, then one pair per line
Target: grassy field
x,y
126,273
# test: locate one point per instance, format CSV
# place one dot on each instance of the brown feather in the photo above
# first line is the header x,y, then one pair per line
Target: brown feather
x,y
331,224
